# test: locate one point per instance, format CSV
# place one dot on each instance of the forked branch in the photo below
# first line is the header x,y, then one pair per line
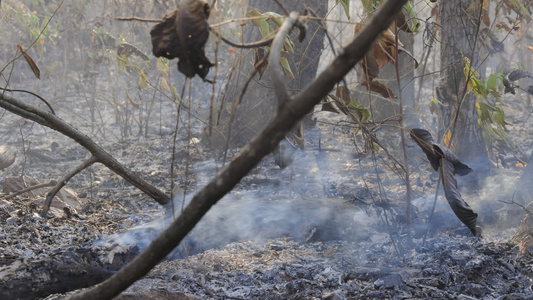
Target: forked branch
x,y
54,122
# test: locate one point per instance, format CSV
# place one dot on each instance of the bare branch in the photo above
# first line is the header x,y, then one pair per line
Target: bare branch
x,y
31,188
260,146
63,181
33,94
52,121
138,19
257,44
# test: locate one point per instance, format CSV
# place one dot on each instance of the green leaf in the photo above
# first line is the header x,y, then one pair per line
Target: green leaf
x,y
346,5
277,18
262,24
499,116
267,30
492,81
285,64
368,5
413,18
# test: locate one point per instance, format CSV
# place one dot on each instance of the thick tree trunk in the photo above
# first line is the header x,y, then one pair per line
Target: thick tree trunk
x,y
259,102
459,113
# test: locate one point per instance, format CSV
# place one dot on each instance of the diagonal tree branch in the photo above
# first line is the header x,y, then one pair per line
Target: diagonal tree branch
x,y
54,122
287,116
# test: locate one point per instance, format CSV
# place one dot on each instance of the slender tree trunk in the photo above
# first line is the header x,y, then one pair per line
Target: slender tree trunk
x,y
259,102
459,34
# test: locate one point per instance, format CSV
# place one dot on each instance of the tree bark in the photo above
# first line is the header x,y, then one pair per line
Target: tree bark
x,y
459,34
259,102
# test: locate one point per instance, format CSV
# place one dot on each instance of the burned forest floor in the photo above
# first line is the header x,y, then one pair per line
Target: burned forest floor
x,y
332,225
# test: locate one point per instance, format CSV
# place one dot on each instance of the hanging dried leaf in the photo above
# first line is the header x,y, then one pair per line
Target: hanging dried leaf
x,y
507,27
435,152
328,106
517,74
449,164
380,88
343,94
260,61
509,88
459,168
461,209
126,50
370,66
135,105
183,34
425,141
30,62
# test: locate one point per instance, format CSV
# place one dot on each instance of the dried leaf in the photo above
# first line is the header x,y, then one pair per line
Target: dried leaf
x,y
509,88
447,140
383,54
125,49
504,26
183,34
380,88
328,106
135,105
344,94
30,62
425,141
370,66
458,167
164,84
449,165
517,74
260,61
461,209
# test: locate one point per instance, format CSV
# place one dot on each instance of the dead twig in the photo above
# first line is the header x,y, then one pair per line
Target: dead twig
x,y
261,43
518,204
63,181
31,188
54,122
33,94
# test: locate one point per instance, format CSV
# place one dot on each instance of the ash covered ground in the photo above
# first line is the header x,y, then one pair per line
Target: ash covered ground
x,y
320,229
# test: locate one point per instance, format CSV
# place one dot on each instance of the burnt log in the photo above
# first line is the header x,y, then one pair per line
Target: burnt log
x,y
61,271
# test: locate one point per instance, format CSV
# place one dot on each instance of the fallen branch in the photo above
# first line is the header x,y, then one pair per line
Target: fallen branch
x,y
57,186
31,188
288,115
54,122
